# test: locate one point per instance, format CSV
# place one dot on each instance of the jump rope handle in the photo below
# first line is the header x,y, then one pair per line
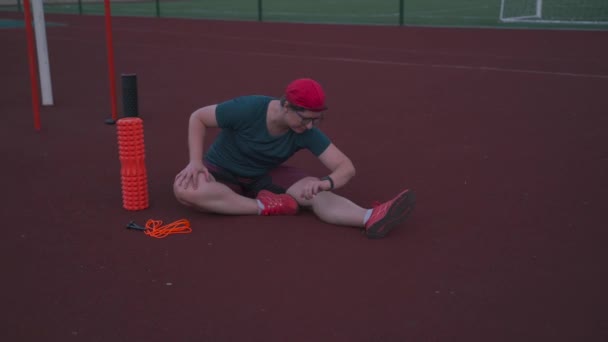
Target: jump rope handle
x,y
135,226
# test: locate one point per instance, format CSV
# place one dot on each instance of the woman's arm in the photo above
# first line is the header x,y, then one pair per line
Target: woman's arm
x,y
197,127
200,120
342,169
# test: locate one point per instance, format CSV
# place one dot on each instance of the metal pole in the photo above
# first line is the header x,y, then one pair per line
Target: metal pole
x,y
400,12
110,49
44,70
259,10
32,62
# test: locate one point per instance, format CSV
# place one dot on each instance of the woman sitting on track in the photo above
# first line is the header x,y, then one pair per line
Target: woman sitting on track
x,y
242,173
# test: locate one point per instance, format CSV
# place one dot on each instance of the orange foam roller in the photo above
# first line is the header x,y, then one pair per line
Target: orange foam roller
x,y
134,178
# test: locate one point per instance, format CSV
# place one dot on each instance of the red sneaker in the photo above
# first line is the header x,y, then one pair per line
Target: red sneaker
x,y
387,215
277,204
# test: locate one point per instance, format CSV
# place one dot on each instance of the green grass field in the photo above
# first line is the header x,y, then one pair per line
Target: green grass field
x,y
461,13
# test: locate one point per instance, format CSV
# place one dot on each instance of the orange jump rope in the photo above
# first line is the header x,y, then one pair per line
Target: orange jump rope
x,y
156,229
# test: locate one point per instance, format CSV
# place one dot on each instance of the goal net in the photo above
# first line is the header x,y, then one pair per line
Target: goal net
x,y
555,11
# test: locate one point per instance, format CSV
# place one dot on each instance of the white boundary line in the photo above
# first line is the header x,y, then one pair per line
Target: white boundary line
x,y
441,66
313,44
481,68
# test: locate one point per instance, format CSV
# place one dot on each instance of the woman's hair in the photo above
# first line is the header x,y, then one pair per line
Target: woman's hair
x,y
292,106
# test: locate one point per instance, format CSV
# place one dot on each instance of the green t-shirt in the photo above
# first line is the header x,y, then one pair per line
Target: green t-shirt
x,y
246,148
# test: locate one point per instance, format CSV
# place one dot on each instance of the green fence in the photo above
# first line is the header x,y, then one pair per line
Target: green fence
x,y
462,13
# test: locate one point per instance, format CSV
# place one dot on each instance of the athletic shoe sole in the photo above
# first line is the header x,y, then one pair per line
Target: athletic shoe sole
x,y
397,213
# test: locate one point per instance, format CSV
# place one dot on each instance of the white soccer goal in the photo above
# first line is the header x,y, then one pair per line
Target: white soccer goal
x,y
555,11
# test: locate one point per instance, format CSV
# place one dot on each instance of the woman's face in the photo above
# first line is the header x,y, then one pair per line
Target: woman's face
x,y
301,121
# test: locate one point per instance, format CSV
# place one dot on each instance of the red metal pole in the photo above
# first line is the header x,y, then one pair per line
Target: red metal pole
x,y
31,54
110,49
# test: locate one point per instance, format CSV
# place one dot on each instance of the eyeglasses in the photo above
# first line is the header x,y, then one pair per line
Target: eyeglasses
x,y
305,121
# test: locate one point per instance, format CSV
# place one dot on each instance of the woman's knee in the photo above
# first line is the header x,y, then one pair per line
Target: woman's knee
x,y
186,194
295,190
181,194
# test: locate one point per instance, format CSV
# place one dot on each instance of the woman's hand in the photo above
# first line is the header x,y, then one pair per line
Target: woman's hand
x,y
189,175
313,187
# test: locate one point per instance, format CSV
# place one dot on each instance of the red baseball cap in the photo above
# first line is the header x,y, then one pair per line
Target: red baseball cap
x,y
306,93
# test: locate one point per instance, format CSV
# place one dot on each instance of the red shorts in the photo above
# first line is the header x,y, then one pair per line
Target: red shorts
x,y
278,180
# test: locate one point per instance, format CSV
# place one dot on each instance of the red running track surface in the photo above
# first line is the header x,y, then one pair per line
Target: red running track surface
x,y
501,133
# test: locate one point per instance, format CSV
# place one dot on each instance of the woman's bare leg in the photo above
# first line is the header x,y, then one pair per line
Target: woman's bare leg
x,y
330,207
215,197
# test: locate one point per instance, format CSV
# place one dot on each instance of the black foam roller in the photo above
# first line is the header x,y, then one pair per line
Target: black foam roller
x,y
129,95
